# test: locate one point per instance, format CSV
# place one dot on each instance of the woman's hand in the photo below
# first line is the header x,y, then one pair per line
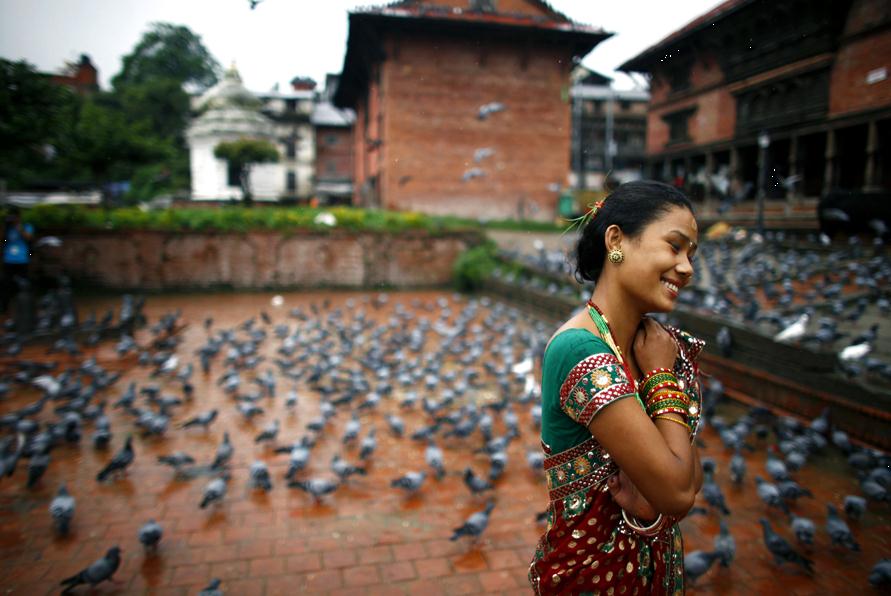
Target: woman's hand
x,y
626,496
654,347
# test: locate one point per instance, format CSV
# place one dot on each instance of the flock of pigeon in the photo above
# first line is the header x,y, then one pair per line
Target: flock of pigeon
x,y
817,296
372,373
465,367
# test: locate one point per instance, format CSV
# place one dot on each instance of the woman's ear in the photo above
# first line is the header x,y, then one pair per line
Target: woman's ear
x,y
612,237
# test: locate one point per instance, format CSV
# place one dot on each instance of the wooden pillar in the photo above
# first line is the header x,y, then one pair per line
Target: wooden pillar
x,y
829,162
732,169
793,192
709,171
870,178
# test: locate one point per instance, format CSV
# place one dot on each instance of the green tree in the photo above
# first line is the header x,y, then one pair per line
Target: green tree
x,y
172,52
34,115
243,154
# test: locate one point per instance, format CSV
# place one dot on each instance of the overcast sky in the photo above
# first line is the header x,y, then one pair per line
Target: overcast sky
x,y
281,39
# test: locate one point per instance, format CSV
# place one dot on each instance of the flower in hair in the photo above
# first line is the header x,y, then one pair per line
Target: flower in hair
x,y
581,221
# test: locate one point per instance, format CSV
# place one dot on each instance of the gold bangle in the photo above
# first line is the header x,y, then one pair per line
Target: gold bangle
x,y
650,530
675,420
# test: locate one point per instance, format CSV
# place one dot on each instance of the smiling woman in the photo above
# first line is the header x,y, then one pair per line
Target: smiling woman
x,y
622,472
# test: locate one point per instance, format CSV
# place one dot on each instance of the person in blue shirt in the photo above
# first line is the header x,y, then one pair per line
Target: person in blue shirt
x,y
16,254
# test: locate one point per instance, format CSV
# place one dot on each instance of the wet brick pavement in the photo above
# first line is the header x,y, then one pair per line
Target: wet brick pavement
x,y
366,538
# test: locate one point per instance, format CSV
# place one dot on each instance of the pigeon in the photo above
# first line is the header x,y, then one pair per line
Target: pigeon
x,y
475,483
299,457
396,425
37,466
351,430
776,468
269,433
204,419
854,506
212,588
214,491
725,545
737,468
410,482
368,445
317,487
343,469
781,550
795,331
119,461
99,571
150,534
770,494
791,490
697,563
838,530
434,459
475,525
713,495
803,528
224,453
259,476
62,510
880,574
176,460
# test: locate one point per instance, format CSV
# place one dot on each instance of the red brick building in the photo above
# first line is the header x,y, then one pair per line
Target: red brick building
x,y
334,148
810,78
82,77
462,106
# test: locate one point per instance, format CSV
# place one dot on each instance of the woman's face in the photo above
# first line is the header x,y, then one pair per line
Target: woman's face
x,y
659,262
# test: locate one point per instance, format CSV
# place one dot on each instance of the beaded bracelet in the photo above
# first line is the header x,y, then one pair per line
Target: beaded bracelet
x,y
655,377
666,403
668,394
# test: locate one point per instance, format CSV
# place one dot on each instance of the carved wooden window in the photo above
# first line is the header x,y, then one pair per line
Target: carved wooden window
x,y
678,125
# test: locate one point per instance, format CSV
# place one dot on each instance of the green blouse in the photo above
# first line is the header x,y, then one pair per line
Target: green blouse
x,y
597,379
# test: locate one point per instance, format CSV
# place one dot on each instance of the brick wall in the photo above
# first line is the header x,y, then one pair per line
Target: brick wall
x,y
334,152
164,260
849,90
432,89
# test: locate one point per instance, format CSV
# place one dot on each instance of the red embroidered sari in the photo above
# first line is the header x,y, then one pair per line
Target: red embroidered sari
x,y
587,547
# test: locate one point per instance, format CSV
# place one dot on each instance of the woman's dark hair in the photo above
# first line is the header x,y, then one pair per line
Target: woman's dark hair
x,y
632,206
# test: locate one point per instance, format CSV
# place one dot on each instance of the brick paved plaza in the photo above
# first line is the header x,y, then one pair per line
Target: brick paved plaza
x,y
365,538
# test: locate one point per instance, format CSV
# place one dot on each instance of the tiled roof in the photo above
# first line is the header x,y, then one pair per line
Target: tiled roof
x,y
719,12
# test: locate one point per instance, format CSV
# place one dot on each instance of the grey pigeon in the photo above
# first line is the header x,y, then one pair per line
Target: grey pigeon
x,y
855,506
224,453
697,563
880,575
62,510
299,457
838,530
475,483
317,487
98,571
150,534
410,482
204,419
214,491
176,460
343,469
212,588
737,467
781,550
713,495
433,457
269,433
475,525
725,545
37,466
119,461
259,476
803,528
770,494
368,445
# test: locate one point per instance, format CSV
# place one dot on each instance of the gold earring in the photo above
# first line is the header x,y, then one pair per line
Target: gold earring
x,y
616,256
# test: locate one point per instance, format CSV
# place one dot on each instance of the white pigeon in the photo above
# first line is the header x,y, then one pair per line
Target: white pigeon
x,y
855,352
795,331
523,367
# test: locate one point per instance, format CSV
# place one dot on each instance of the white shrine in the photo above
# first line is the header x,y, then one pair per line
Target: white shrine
x,y
227,112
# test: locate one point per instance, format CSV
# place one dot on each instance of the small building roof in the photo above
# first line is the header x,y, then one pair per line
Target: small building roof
x,y
325,113
363,43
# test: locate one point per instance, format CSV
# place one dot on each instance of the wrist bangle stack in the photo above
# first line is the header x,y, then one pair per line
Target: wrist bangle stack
x,y
675,420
